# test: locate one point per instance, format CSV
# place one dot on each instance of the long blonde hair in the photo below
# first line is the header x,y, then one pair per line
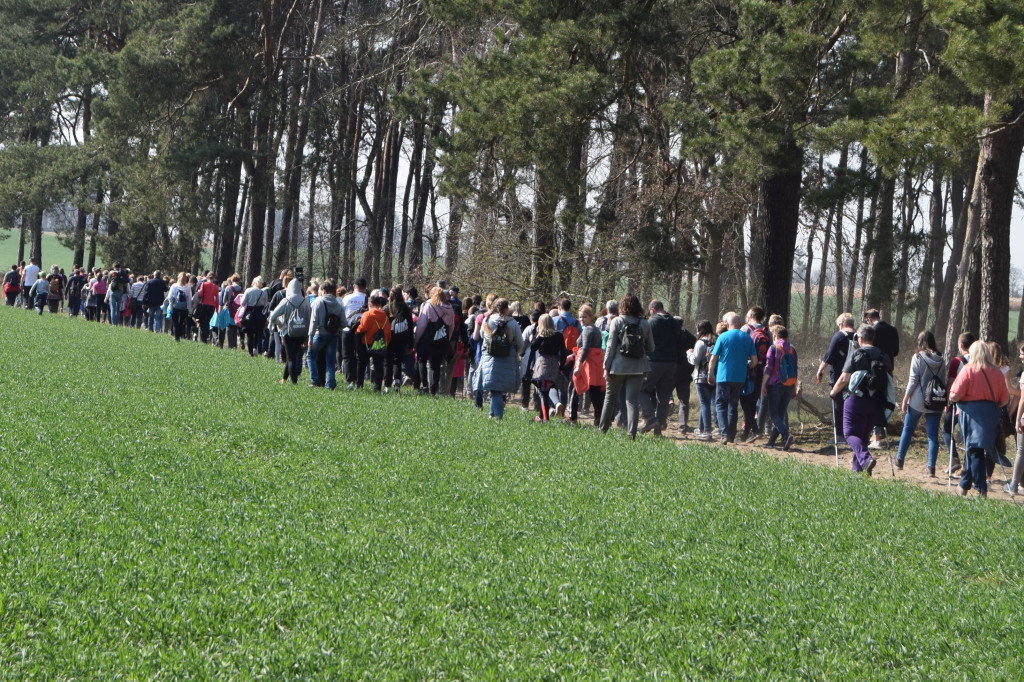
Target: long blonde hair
x,y
546,326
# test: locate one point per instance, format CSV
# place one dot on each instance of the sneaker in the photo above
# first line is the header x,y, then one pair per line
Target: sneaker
x,y
684,429
899,465
387,390
1010,489
931,472
351,385
787,443
875,445
752,439
870,466
559,410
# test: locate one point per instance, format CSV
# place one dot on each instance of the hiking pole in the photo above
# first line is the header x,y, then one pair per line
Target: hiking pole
x,y
952,444
888,451
835,439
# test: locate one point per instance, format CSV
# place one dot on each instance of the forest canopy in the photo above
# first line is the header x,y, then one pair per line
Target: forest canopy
x,y
720,154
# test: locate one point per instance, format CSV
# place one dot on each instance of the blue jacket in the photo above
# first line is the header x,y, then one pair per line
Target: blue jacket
x,y
501,374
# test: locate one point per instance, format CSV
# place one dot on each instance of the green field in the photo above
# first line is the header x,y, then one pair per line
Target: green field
x,y
168,510
54,253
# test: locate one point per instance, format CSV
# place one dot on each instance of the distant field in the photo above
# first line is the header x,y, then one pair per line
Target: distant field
x,y
53,252
169,511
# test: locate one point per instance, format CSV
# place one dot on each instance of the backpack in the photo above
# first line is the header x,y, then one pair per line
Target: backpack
x,y
333,323
787,366
296,325
500,345
378,346
632,342
56,288
435,338
571,334
762,343
180,300
876,372
934,391
400,325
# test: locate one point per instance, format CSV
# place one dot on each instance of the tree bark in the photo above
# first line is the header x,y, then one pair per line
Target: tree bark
x,y
780,223
960,197
999,183
933,254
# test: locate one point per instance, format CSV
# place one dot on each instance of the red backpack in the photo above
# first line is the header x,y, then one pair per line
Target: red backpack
x,y
761,343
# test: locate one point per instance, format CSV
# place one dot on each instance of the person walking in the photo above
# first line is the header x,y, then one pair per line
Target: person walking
x,y
834,360
978,392
700,360
779,385
733,356
373,333
588,369
208,306
755,413
927,364
499,360
400,319
887,340
434,329
625,362
292,316
861,409
325,323
254,318
12,285
1018,464
660,381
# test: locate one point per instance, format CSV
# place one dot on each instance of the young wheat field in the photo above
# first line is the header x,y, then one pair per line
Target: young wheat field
x,y
168,510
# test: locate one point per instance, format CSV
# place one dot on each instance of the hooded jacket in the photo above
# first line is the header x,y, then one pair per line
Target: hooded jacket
x,y
923,367
294,304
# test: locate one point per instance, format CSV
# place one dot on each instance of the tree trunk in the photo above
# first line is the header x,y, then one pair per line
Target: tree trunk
x,y
780,221
542,261
314,176
837,257
258,171
224,255
819,295
999,183
960,197
805,323
858,234
879,294
933,254
903,266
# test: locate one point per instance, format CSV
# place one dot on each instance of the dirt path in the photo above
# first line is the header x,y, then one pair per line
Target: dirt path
x,y
814,446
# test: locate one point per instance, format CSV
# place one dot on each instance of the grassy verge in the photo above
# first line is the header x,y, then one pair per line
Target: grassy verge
x,y
168,509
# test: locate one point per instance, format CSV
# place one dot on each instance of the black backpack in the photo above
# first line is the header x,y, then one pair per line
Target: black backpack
x,y
877,371
333,323
632,343
934,391
500,345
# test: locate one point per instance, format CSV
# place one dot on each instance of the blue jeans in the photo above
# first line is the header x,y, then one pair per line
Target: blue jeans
x,y
705,396
154,319
975,471
932,420
727,397
778,405
116,306
497,404
325,348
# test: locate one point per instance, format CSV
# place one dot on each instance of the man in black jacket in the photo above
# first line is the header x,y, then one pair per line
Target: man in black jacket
x,y
887,340
153,294
661,380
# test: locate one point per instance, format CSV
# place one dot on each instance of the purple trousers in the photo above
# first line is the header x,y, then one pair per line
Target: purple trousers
x,y
858,422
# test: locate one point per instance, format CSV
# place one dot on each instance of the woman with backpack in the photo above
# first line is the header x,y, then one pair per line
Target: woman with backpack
x,y
625,362
705,392
400,318
979,392
778,386
180,299
254,317
499,360
292,316
926,366
434,330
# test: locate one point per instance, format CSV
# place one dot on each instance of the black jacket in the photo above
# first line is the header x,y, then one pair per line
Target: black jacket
x,y
154,292
887,339
668,337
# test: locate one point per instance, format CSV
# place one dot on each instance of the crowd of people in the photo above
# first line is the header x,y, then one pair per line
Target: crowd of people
x,y
615,364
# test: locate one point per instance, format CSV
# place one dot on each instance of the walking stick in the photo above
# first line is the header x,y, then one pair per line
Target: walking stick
x,y
835,439
952,444
888,451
